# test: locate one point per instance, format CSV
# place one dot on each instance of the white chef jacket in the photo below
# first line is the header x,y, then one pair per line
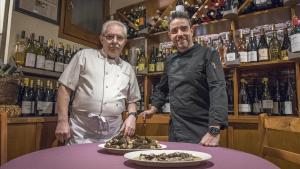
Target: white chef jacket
x,y
98,81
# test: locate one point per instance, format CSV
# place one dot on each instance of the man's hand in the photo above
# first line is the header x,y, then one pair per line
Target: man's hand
x,y
210,140
62,131
129,126
148,113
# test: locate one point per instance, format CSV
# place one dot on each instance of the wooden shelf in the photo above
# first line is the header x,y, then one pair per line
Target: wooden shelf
x,y
155,74
265,65
31,119
158,34
213,27
242,119
39,72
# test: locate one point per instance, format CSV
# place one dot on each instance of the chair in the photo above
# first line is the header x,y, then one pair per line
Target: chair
x,y
3,137
282,124
156,127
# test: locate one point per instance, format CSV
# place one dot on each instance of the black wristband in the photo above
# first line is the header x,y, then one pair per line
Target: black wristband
x,y
133,113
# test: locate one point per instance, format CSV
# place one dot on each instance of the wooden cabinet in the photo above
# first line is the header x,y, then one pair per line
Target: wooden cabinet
x,y
81,22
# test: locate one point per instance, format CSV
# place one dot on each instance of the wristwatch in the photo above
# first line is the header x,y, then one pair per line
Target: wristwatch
x,y
214,131
134,114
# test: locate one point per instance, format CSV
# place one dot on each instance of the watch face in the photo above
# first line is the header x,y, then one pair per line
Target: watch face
x,y
214,131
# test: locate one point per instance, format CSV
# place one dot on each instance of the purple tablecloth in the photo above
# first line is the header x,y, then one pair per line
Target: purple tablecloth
x,y
88,156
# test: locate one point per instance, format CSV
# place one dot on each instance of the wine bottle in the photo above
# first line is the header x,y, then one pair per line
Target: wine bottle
x,y
230,96
275,46
252,48
20,50
141,62
180,5
232,57
263,51
50,56
267,102
39,98
40,58
244,100
59,61
277,105
27,99
48,104
257,107
289,101
242,48
152,60
285,45
30,51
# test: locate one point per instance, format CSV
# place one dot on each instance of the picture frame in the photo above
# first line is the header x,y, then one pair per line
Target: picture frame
x,y
47,10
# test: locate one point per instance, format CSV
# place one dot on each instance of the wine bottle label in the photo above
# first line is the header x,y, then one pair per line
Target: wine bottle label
x,y
40,62
48,107
59,67
263,54
151,67
26,107
267,104
141,67
32,107
246,108
40,105
159,66
288,107
49,65
243,56
295,42
252,56
257,107
22,48
284,54
276,108
230,57
30,59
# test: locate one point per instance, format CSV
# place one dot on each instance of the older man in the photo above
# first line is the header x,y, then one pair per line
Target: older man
x,y
194,78
103,84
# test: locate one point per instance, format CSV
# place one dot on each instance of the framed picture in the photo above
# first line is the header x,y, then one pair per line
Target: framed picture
x,y
48,10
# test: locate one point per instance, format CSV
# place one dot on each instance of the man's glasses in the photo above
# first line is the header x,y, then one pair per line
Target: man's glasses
x,y
111,37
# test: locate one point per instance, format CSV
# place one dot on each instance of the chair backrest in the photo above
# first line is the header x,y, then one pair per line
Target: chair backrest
x,y
3,137
283,124
155,127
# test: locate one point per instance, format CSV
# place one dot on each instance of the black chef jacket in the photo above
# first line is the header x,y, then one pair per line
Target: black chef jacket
x,y
198,99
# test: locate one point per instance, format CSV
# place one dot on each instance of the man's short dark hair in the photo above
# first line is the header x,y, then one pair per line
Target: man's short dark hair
x,y
179,15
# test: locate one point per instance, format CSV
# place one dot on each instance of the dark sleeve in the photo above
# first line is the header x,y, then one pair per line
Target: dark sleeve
x,y
218,110
160,92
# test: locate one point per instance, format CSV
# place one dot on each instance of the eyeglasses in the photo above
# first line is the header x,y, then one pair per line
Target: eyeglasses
x,y
111,37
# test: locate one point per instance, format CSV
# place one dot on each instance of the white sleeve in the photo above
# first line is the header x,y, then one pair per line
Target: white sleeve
x,y
134,92
70,76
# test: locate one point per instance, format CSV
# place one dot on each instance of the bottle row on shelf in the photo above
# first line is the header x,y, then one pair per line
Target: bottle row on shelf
x,y
37,97
33,53
262,43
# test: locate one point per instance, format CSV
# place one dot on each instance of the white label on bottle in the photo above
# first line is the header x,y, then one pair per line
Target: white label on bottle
x,y
295,42
230,57
257,107
22,48
243,56
48,108
263,54
288,107
59,67
267,104
258,2
49,65
276,107
179,8
65,66
246,108
30,59
252,56
39,107
40,62
26,107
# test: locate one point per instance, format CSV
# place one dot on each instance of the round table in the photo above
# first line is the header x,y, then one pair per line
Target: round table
x,y
89,156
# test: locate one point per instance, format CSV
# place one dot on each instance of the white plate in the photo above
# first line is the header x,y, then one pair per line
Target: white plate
x,y
123,151
134,157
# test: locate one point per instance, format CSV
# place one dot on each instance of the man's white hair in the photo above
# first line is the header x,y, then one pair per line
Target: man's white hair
x,y
113,22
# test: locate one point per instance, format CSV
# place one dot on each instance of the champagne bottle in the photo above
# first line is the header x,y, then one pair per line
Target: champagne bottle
x,y
40,58
232,57
252,48
20,50
244,100
242,48
50,56
285,45
30,51
267,102
27,98
263,53
275,46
